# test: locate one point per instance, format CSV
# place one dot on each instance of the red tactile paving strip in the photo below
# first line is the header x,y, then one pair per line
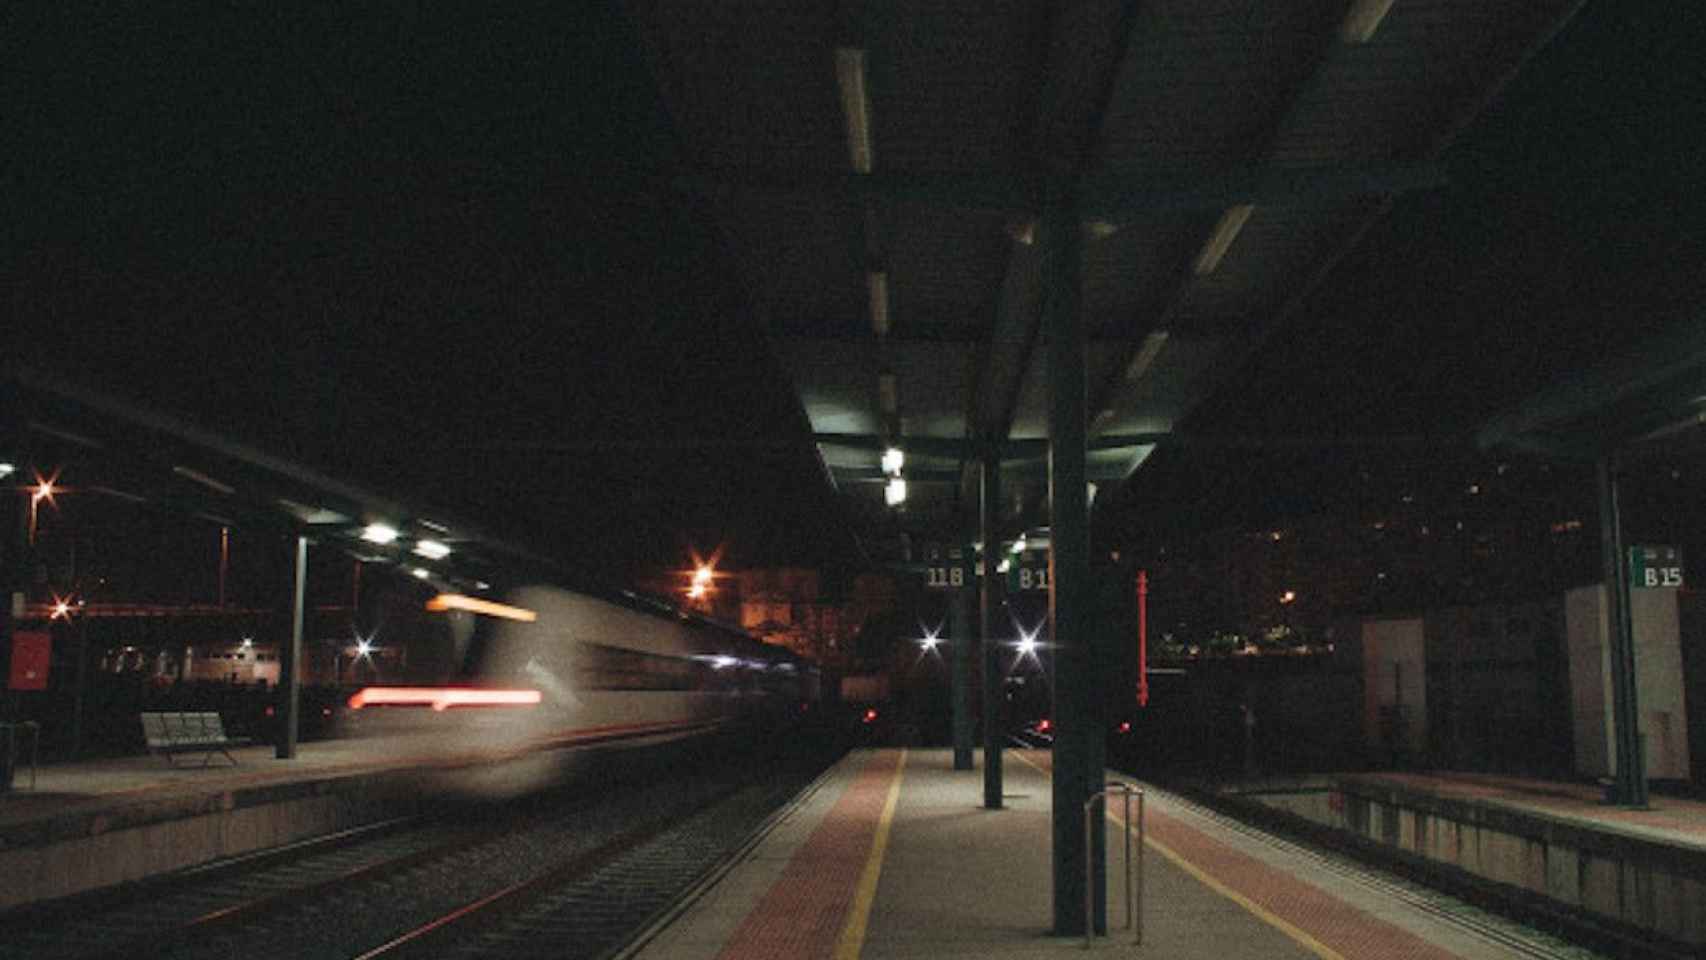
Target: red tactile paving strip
x,y
803,914
1335,924
1351,932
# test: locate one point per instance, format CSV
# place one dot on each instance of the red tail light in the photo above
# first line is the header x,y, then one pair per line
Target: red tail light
x,y
870,716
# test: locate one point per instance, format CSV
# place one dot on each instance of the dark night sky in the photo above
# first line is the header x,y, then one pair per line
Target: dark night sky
x,y
409,243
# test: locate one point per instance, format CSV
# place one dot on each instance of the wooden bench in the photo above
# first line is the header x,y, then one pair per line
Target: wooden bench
x,y
170,734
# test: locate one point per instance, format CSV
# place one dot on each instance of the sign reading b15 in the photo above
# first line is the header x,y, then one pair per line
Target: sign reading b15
x,y
1655,567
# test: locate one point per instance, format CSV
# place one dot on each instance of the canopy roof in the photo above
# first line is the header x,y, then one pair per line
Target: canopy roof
x,y
878,172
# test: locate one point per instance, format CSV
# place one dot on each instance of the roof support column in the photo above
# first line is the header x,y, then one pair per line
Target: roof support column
x,y
1629,786
14,544
1078,744
962,632
994,721
290,665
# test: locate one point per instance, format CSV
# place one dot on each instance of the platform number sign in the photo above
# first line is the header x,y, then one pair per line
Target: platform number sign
x,y
1655,568
944,567
943,577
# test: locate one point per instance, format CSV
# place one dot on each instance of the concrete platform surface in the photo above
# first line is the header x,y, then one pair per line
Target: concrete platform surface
x,y
892,856
1674,820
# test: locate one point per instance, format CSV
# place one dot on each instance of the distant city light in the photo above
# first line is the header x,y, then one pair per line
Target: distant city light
x,y
248,642
1288,596
893,459
363,648
61,609
432,550
1028,640
1019,544
1005,565
379,533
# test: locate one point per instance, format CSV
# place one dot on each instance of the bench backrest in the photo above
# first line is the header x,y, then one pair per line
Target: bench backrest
x,y
167,729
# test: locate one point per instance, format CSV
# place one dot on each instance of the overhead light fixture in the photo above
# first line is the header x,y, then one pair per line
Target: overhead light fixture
x,y
1005,565
855,105
421,573
893,459
1146,355
1019,545
1220,241
894,492
878,282
204,480
1363,19
379,533
432,550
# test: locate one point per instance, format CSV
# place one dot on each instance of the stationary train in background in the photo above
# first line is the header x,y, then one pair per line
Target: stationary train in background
x,y
549,667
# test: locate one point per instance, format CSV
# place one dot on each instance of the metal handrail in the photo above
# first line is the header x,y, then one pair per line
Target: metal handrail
x,y
1133,895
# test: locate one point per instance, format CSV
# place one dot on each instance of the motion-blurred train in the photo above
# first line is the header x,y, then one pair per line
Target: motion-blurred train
x,y
548,667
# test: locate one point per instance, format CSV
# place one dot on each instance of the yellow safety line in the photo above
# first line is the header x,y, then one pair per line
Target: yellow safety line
x,y
853,934
1257,910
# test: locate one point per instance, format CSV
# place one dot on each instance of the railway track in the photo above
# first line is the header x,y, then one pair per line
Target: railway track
x,y
583,869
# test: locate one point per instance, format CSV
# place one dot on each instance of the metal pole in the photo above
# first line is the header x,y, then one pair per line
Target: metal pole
x,y
14,546
290,665
1078,744
224,561
1629,786
1142,638
994,721
961,637
82,684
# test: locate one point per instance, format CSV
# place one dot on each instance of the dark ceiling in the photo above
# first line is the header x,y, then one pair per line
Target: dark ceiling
x,y
473,258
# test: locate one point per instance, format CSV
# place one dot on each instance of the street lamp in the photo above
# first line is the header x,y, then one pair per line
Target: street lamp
x,y
44,490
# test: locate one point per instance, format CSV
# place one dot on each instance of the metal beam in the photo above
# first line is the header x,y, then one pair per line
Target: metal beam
x,y
1108,193
1629,783
290,665
1078,748
962,636
994,722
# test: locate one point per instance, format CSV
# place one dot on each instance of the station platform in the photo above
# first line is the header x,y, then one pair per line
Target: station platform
x,y
95,823
892,856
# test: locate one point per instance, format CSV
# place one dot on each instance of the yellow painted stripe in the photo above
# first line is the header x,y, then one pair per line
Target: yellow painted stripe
x,y
1257,910
853,934
1261,913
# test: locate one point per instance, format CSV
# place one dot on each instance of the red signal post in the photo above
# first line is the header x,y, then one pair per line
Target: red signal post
x,y
1142,638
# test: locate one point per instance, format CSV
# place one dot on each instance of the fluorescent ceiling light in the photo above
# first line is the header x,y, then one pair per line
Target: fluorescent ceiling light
x,y
204,480
432,550
855,106
894,492
1151,349
1363,19
893,459
1226,231
879,285
379,533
